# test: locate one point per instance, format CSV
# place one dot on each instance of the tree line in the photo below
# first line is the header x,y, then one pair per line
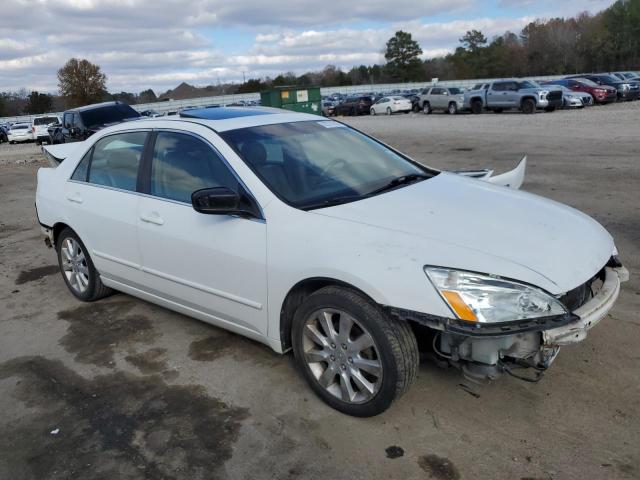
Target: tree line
x,y
606,41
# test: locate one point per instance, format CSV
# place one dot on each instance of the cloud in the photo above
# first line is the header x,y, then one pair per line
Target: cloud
x,y
159,43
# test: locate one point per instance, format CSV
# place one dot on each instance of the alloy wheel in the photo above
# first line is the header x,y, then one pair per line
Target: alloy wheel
x,y
342,355
74,265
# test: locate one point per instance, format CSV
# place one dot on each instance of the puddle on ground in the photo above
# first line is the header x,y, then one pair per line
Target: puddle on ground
x,y
96,330
113,426
439,468
37,273
151,362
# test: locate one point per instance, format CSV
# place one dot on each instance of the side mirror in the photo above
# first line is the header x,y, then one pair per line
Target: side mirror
x,y
224,201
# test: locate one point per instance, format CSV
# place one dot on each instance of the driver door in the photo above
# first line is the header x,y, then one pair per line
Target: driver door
x,y
211,264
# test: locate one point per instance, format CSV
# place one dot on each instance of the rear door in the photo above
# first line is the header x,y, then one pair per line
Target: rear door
x,y
211,264
103,204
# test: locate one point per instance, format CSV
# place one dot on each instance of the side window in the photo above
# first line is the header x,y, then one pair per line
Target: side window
x,y
498,87
80,173
183,164
67,120
76,120
116,159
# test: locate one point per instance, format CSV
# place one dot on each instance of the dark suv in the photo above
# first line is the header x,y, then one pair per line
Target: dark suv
x,y
80,123
354,106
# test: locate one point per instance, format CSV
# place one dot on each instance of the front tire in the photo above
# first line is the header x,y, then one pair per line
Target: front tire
x,y
426,108
77,269
453,108
528,106
476,107
389,112
373,111
354,356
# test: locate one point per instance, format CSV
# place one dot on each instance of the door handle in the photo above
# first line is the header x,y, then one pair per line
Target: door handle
x,y
153,218
75,198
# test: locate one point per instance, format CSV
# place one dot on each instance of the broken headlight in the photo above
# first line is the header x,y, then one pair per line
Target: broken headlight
x,y
485,299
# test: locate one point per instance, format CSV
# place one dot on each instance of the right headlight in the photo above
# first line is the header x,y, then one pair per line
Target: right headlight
x,y
486,299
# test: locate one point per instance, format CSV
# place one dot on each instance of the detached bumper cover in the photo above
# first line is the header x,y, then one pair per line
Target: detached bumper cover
x,y
591,312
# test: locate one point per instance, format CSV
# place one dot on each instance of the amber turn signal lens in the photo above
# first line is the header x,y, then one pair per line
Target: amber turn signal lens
x,y
462,309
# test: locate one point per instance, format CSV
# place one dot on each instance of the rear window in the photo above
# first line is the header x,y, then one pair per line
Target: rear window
x,y
45,120
455,91
108,115
20,127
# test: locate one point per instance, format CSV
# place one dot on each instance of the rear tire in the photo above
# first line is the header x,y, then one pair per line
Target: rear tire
x,y
453,108
389,112
426,108
388,363
77,269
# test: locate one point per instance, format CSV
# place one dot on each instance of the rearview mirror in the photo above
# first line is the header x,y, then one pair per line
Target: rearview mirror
x,y
224,201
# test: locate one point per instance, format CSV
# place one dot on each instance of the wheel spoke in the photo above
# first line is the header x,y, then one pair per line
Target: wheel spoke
x,y
327,324
348,394
327,377
361,343
369,366
84,270
365,386
346,323
314,356
313,334
80,256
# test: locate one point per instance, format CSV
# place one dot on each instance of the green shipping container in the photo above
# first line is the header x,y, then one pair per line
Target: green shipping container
x,y
297,99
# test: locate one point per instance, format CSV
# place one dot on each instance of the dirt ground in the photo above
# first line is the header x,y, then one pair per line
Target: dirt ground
x,y
124,389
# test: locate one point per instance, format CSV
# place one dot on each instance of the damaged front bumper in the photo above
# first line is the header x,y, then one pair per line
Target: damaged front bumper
x,y
486,351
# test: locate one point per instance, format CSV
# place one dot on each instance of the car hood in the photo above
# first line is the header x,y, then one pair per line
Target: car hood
x,y
468,224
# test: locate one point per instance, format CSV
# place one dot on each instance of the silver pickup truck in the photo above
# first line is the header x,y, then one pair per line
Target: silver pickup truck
x,y
524,95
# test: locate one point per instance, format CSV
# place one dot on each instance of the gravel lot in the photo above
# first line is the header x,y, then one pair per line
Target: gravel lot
x,y
124,389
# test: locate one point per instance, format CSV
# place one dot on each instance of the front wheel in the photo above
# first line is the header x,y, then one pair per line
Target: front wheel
x,y
354,356
389,112
476,107
373,111
78,271
426,108
453,108
528,106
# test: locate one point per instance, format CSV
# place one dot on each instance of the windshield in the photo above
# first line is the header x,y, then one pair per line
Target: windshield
x,y
588,82
311,164
455,91
106,115
45,120
608,79
528,84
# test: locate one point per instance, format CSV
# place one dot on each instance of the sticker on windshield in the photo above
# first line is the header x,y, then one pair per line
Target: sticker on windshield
x,y
331,124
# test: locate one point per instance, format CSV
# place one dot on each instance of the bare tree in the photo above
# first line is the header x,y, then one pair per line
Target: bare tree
x,y
81,82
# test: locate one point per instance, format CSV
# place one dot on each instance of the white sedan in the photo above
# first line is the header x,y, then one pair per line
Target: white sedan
x,y
20,132
305,234
390,105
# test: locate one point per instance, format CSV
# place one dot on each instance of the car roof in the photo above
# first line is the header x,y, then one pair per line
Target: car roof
x,y
96,105
226,118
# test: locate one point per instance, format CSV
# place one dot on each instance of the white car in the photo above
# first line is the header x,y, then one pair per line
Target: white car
x,y
390,105
305,234
20,132
41,126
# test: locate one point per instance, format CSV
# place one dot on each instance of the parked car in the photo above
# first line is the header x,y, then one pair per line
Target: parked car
x,y
150,113
366,251
391,105
447,99
41,126
4,130
414,98
525,95
328,108
20,132
627,76
80,123
354,106
571,99
601,93
626,90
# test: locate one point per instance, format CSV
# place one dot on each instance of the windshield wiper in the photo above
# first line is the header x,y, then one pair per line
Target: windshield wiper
x,y
331,202
403,180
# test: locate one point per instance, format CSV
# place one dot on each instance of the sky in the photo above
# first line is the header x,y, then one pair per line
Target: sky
x,y
158,44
